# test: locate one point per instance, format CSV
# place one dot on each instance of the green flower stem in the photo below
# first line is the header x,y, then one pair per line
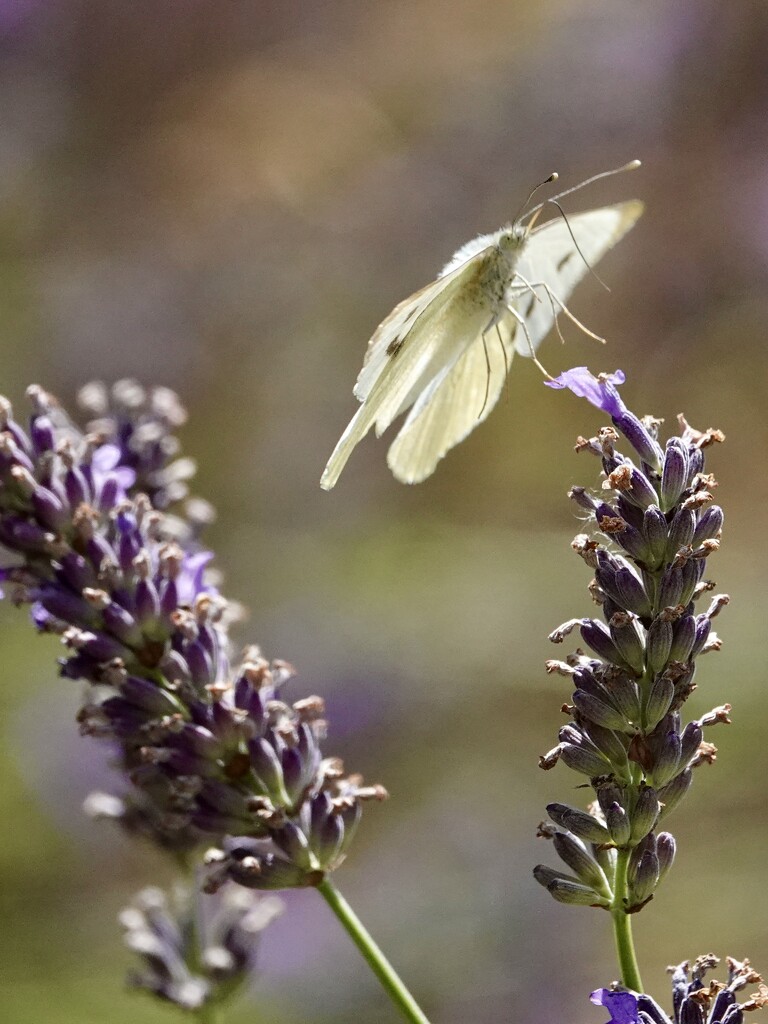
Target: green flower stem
x,y
376,960
208,1013
622,926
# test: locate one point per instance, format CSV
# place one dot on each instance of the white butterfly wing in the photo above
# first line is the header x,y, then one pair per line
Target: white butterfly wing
x,y
550,257
421,338
452,405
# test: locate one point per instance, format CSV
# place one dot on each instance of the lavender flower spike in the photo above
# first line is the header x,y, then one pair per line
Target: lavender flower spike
x,y
653,527
693,1002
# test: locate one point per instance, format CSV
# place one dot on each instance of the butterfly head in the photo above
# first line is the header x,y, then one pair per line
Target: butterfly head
x,y
512,238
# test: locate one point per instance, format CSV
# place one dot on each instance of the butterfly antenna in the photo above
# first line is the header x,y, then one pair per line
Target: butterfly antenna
x,y
631,166
576,244
547,181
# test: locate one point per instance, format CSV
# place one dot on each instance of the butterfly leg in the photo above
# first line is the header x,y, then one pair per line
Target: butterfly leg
x,y
521,320
487,376
555,319
553,298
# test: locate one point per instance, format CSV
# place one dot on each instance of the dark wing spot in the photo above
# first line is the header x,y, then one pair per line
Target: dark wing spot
x,y
530,307
394,346
568,256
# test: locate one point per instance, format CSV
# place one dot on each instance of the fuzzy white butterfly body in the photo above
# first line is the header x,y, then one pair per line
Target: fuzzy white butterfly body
x,y
445,351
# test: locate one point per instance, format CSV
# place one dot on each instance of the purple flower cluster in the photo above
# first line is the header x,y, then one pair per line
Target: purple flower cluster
x,y
210,751
179,969
653,526
693,1001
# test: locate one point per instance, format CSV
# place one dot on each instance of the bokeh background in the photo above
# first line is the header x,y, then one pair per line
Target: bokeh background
x,y
226,198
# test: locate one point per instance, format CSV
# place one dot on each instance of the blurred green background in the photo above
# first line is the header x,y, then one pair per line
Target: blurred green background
x,y
226,198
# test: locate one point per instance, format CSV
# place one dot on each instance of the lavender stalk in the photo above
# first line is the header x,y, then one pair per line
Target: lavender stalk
x,y
103,544
653,527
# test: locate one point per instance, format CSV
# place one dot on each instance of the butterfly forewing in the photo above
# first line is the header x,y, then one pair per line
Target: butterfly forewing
x,y
550,257
438,331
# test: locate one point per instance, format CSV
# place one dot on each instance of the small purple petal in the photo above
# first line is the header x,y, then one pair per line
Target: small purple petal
x,y
110,479
600,391
190,581
105,458
622,1006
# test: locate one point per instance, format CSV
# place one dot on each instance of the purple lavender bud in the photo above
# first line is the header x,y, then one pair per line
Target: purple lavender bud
x,y
618,823
665,851
22,535
709,525
656,533
674,475
588,762
76,487
670,588
98,646
691,574
268,770
671,794
581,824
583,498
644,878
641,490
597,636
660,697
703,629
292,841
66,606
147,602
567,890
327,836
269,873
109,493
121,624
658,645
725,1002
631,592
634,543
42,435
609,743
49,510
681,531
200,665
629,512
575,854
638,436
597,711
625,633
293,774
625,695
129,541
199,741
683,639
645,813
650,1012
149,697
690,742
667,761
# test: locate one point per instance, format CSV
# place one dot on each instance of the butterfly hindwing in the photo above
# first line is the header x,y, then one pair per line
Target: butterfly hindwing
x,y
453,404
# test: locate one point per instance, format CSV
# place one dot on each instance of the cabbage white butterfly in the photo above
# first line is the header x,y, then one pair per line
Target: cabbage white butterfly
x,y
444,352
